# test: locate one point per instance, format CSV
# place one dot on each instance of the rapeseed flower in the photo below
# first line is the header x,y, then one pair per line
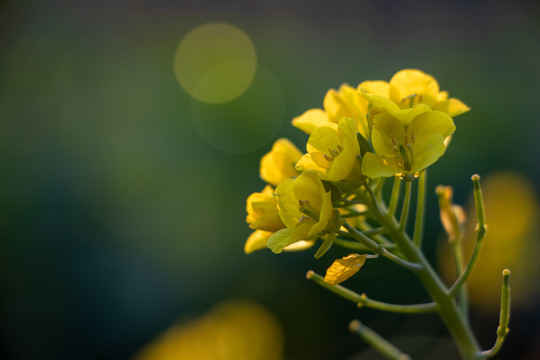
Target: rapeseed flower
x,y
402,149
305,207
333,152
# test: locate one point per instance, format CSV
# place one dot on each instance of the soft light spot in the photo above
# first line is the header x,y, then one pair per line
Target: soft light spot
x,y
215,62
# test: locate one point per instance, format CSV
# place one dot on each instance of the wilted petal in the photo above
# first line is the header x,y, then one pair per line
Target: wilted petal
x,y
344,268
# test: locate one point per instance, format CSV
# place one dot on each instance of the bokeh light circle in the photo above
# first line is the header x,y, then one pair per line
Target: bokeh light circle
x,y
246,123
215,62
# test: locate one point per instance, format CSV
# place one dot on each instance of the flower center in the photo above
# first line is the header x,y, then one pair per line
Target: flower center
x,y
411,98
309,210
333,153
403,151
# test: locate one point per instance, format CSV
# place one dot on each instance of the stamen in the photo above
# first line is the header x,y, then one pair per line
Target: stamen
x,y
412,137
404,154
328,158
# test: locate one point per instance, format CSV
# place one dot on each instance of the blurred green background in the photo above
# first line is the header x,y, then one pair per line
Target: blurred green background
x,y
123,198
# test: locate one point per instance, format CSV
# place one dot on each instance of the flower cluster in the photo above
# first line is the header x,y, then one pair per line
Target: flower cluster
x,y
361,136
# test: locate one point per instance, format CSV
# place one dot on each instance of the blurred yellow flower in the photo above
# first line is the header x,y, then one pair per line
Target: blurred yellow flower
x,y
234,330
278,164
333,152
346,102
305,207
406,149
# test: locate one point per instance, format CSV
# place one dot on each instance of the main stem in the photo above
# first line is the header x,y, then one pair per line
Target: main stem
x,y
446,306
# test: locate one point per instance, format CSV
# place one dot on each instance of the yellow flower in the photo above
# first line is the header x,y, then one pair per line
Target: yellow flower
x,y
410,87
332,152
305,207
278,164
263,212
402,149
346,102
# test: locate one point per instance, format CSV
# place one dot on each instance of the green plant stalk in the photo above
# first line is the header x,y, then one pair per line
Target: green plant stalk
x,y
363,300
447,308
480,234
406,205
376,341
504,318
458,261
420,209
395,195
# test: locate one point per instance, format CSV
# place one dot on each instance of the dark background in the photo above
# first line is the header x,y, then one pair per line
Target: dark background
x,y
119,217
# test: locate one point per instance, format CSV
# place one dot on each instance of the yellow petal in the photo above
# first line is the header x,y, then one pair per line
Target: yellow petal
x,y
323,138
278,164
380,103
375,166
288,203
453,107
310,120
344,268
299,245
430,123
307,187
427,152
256,241
405,116
385,128
413,82
279,240
347,102
379,88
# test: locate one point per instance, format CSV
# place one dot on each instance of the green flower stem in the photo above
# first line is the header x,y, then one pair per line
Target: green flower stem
x,y
395,195
379,187
379,249
446,306
480,234
504,318
458,261
420,207
376,341
363,300
406,205
354,245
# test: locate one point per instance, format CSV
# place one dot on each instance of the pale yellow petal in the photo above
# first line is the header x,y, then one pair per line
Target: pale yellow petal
x,y
344,268
379,88
288,203
310,120
279,164
256,241
299,245
413,82
453,107
427,152
375,166
307,187
430,123
279,240
385,128
380,103
323,138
